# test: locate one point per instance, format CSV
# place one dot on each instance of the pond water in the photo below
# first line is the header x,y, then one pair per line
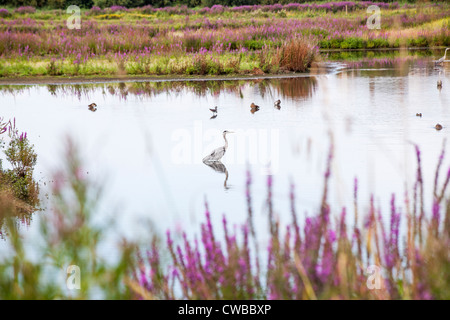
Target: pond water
x,y
145,143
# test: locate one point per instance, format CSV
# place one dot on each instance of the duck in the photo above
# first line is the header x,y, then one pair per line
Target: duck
x,y
277,104
92,107
214,110
439,82
253,108
418,114
438,126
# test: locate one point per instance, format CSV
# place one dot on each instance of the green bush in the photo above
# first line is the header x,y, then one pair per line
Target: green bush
x,y
22,158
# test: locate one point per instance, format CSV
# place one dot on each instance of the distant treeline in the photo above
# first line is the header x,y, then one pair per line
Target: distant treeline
x,y
60,4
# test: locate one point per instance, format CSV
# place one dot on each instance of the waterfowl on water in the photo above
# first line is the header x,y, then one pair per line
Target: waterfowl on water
x,y
93,107
214,110
438,126
418,114
277,104
218,153
439,82
253,108
442,60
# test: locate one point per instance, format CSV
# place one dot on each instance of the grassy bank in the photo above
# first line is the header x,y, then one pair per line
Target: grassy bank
x,y
207,41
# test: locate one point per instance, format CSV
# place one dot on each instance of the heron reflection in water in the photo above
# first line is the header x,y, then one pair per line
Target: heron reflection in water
x,y
218,166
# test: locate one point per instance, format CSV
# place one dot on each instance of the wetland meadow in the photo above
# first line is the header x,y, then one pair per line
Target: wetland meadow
x,y
204,151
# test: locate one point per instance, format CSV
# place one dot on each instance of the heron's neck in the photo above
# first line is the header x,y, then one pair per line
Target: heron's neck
x,y
445,54
226,141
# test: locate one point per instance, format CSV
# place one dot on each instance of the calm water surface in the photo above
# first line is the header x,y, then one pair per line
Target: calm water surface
x,y
145,142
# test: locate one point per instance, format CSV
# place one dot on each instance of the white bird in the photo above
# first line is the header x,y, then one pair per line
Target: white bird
x,y
441,60
218,153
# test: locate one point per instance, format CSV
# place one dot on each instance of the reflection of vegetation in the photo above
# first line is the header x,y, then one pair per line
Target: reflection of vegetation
x,y
302,87
292,88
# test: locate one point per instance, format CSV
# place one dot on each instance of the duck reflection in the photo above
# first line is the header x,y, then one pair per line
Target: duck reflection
x,y
219,167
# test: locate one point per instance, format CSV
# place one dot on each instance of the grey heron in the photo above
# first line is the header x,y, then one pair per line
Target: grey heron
x,y
438,126
218,153
441,60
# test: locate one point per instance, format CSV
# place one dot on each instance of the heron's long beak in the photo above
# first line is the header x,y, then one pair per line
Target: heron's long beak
x,y
230,132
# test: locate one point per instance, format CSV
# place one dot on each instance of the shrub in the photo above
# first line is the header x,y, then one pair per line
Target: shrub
x,y
20,154
4,13
27,9
94,11
295,55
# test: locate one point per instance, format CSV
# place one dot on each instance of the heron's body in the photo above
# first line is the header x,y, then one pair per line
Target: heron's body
x,y
218,153
438,127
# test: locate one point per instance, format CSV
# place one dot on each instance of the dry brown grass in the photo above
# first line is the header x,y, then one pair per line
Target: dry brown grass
x,y
295,55
10,205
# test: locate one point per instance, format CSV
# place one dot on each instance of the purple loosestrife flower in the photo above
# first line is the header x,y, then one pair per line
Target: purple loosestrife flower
x,y
436,217
4,13
26,9
391,254
23,137
326,266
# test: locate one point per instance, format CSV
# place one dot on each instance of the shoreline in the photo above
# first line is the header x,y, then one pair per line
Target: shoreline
x,y
52,80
